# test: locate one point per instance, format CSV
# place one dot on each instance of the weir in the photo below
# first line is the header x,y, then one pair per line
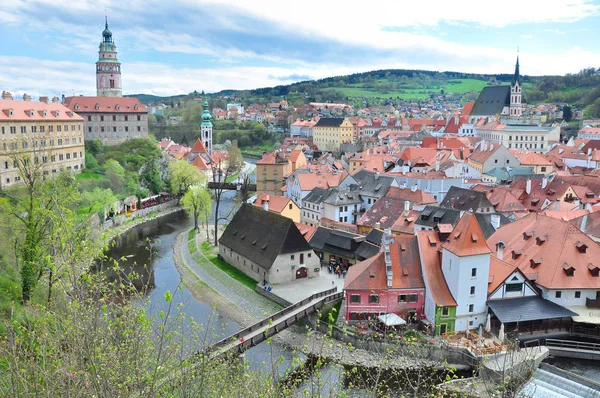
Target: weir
x,y
551,382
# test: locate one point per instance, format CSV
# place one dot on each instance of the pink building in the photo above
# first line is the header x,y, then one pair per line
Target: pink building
x,y
389,282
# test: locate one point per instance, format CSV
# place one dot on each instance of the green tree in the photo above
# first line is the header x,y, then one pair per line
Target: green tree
x,y
98,197
91,164
235,158
183,175
197,202
115,174
567,113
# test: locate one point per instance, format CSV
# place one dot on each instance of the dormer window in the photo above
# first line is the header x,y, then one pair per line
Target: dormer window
x,y
527,235
474,237
137,107
534,262
44,113
117,107
594,271
31,113
582,247
516,254
540,240
76,106
97,107
569,270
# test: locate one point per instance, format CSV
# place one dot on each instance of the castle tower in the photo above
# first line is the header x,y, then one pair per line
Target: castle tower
x,y
515,93
206,129
108,68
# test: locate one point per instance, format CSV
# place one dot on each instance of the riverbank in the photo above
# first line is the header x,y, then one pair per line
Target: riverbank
x,y
114,232
235,301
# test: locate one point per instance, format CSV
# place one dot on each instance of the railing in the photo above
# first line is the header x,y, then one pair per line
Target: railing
x,y
278,315
573,345
592,303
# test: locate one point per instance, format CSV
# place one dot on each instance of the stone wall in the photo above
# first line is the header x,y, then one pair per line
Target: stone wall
x,y
119,220
273,297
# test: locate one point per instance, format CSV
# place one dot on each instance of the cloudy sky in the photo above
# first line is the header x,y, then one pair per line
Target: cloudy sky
x,y
49,47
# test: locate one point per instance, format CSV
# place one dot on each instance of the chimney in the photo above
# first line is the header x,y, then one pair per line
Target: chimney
x,y
557,205
584,223
403,184
500,250
6,95
377,225
437,165
495,218
266,203
54,99
589,151
26,97
44,99
528,187
405,169
406,206
388,259
544,182
414,188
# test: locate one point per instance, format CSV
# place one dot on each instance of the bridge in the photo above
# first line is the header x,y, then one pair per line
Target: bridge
x,y
255,334
573,349
232,186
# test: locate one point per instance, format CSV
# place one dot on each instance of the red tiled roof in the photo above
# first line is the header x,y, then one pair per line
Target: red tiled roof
x,y
277,204
105,104
429,244
33,110
558,244
467,238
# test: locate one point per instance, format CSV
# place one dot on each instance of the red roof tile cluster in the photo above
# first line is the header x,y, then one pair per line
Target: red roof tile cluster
x,y
105,104
429,244
553,252
467,238
406,268
277,204
14,110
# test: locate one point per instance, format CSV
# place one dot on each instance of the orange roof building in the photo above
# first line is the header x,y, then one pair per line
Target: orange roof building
x,y
278,204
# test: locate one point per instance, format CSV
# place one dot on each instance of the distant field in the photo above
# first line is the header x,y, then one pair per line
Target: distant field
x,y
453,86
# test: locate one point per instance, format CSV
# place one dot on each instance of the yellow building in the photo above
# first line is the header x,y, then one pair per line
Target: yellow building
x,y
330,132
270,172
279,204
45,132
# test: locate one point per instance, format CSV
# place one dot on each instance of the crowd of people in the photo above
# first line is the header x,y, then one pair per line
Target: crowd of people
x,y
339,269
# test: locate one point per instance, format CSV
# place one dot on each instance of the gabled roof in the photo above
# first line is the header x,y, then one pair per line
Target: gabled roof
x,y
530,158
545,247
342,243
330,122
385,211
373,184
317,195
465,199
481,155
262,235
429,244
370,274
467,238
418,196
33,110
491,101
276,203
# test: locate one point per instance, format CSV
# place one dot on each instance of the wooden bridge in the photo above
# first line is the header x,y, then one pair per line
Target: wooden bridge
x,y
232,186
573,349
270,326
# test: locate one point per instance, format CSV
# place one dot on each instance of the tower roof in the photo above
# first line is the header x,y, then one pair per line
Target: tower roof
x,y
106,33
206,117
467,238
517,76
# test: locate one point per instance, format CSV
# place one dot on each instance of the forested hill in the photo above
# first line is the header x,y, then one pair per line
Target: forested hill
x,y
369,88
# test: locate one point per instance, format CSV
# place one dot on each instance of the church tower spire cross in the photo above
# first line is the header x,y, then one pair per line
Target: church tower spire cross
x,y
108,67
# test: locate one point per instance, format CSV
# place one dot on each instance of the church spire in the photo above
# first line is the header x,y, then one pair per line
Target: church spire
x,y
517,77
106,34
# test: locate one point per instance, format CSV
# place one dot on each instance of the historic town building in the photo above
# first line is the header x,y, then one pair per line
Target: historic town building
x,y
108,68
111,120
45,132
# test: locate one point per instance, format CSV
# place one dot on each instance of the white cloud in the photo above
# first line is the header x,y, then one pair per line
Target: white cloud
x,y
527,37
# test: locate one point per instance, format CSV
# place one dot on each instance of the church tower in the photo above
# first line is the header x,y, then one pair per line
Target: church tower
x,y
206,129
515,93
108,68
